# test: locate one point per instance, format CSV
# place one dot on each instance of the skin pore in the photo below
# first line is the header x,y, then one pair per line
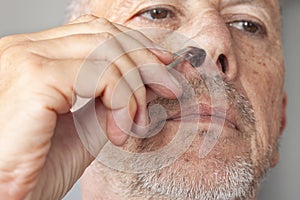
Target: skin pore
x,y
220,141
247,33
117,56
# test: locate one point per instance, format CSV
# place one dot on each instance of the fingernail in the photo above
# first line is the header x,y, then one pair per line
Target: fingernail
x,y
121,126
140,127
123,119
150,95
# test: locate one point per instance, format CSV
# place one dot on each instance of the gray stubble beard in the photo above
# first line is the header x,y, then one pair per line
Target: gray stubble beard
x,y
239,183
239,178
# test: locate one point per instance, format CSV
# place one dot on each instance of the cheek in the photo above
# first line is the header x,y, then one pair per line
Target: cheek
x,y
261,75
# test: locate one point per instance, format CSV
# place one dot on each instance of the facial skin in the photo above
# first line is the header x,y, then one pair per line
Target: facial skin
x,y
110,57
256,101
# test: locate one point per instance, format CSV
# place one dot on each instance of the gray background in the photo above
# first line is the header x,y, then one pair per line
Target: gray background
x,y
21,16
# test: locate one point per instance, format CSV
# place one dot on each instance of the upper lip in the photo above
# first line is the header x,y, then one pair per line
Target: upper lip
x,y
205,110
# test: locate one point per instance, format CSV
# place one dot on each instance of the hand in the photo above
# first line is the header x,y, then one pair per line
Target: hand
x,y
41,155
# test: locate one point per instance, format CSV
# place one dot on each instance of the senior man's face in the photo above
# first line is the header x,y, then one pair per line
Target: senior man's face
x,y
243,38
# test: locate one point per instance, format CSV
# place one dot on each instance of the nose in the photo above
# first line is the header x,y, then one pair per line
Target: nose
x,y
213,35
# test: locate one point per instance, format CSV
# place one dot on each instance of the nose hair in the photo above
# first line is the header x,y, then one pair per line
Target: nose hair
x,y
222,63
216,40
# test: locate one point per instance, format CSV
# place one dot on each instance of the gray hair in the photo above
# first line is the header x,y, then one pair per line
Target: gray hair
x,y
77,8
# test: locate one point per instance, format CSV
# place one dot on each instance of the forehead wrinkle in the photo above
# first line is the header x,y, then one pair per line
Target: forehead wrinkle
x,y
239,1
236,2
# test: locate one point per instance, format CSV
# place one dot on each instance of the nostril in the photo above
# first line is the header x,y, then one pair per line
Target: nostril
x,y
223,63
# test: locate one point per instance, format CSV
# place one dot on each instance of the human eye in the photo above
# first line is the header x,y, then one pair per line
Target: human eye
x,y
247,26
163,16
157,13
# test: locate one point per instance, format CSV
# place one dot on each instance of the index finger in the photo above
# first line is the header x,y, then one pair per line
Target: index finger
x,y
163,55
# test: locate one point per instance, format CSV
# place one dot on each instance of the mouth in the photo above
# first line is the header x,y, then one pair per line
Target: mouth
x,y
203,113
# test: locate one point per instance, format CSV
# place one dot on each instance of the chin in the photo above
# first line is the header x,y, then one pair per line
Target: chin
x,y
227,172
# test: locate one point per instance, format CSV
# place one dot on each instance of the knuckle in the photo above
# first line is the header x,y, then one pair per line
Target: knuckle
x,y
99,24
86,17
105,36
145,58
18,58
9,54
146,52
7,39
100,38
13,53
17,67
101,21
